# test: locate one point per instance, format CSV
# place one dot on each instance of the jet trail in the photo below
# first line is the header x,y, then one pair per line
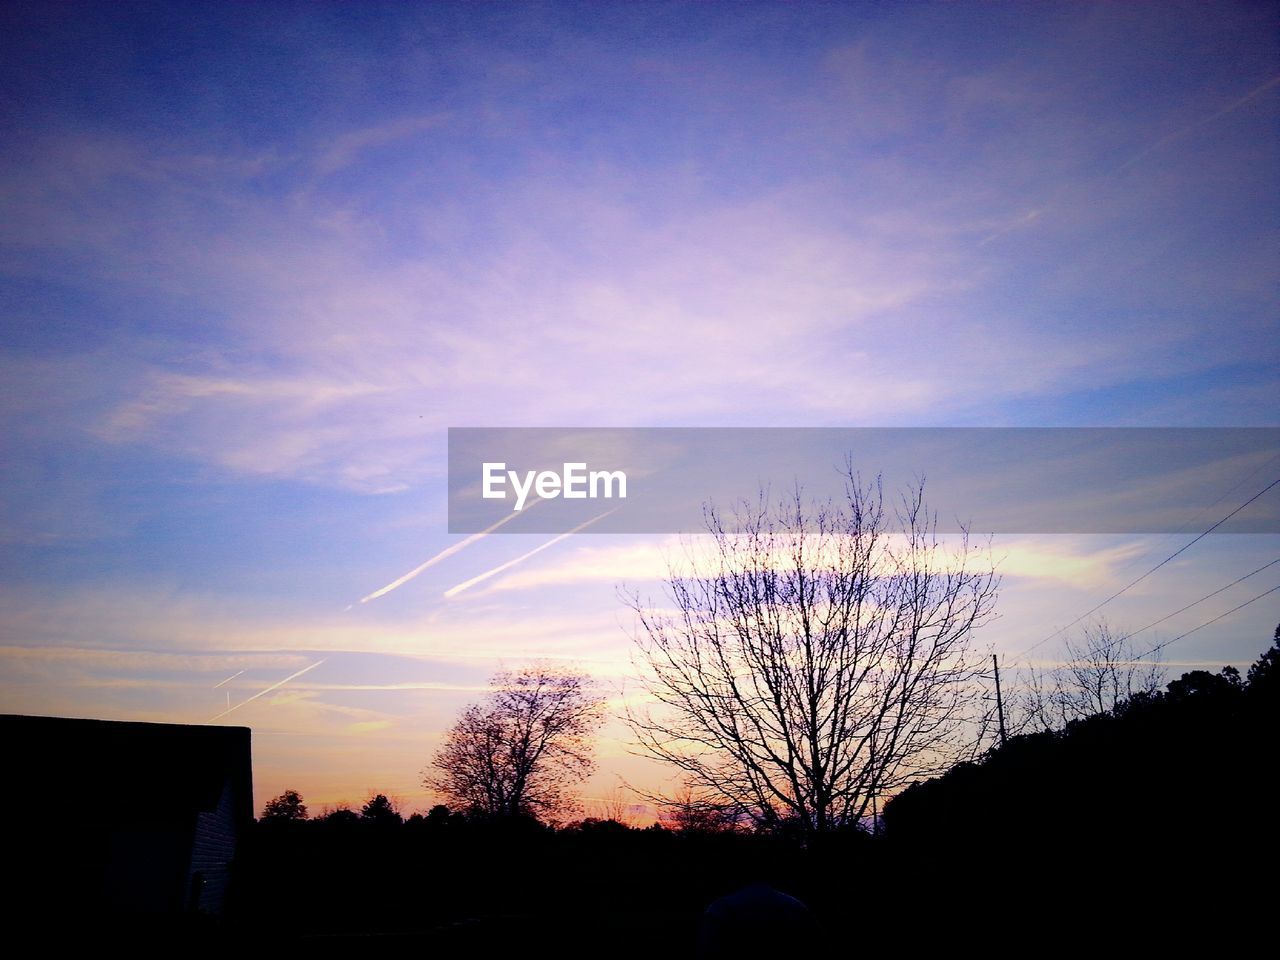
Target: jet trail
x,y
1192,128
1140,155
444,554
468,584
263,693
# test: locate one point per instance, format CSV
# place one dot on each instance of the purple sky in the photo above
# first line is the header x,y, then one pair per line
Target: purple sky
x,y
255,259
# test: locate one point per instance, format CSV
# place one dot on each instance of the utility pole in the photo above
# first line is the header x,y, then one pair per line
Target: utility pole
x,y
999,700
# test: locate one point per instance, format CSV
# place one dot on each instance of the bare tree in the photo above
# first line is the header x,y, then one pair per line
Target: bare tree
x,y
616,806
817,657
519,751
1102,670
687,812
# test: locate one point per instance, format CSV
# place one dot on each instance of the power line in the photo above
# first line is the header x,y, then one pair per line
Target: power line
x,y
1134,583
1205,509
1160,646
1207,596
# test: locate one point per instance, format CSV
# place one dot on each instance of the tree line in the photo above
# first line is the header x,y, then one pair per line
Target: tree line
x,y
812,675
805,663
1160,807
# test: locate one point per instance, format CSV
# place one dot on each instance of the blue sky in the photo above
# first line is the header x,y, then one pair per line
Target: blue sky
x,y
255,259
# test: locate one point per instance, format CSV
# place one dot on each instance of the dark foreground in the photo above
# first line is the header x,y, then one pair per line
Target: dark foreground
x,y
1152,825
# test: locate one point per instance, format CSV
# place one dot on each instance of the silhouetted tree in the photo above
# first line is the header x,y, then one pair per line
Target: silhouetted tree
x,y
519,751
1102,670
1264,675
341,817
287,806
616,807
819,656
688,813
440,816
379,809
1158,776
1203,683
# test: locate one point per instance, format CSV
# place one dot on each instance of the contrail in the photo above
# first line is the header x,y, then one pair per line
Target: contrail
x,y
1141,155
444,554
1020,222
229,679
467,585
263,693
1178,135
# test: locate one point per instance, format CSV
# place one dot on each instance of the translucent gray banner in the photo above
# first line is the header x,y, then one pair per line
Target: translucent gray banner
x,y
990,480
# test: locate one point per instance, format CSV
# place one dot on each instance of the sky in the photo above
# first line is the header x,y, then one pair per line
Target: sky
x,y
255,260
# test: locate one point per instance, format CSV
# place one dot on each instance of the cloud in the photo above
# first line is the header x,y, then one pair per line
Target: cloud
x,y
148,631
1068,561
645,560
340,350
150,660
1071,561
348,354
348,148
368,726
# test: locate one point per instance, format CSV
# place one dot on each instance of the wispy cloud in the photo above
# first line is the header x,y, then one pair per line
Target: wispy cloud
x,y
1073,561
348,147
